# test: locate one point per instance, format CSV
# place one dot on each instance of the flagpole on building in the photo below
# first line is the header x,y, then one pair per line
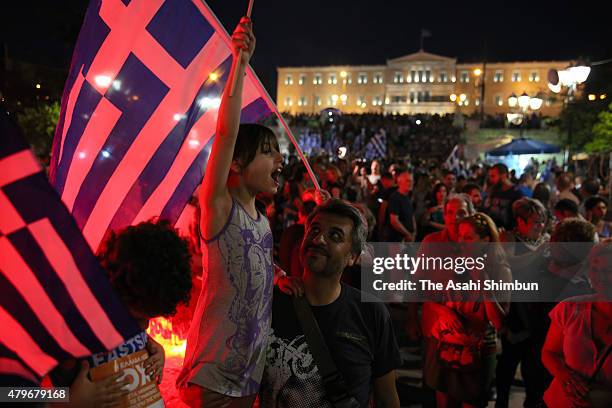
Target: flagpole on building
x,y
233,84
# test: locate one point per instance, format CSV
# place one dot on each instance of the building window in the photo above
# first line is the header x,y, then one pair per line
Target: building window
x,y
534,76
317,100
343,99
419,96
362,78
498,76
499,101
443,77
348,79
302,79
378,100
412,99
465,77
302,101
288,101
412,76
417,78
398,78
333,100
317,80
398,99
288,80
427,75
361,101
427,96
332,80
378,78
516,76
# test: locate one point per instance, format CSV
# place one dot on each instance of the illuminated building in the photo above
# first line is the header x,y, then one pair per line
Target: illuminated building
x,y
417,83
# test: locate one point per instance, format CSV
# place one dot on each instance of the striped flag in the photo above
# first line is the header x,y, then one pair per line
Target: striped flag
x,y
453,160
377,146
140,109
56,302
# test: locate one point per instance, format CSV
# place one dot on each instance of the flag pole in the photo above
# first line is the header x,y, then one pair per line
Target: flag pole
x,y
279,116
233,84
298,150
269,100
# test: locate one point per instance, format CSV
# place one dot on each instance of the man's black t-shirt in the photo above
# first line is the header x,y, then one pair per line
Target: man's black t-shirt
x,y
499,206
288,252
401,205
360,339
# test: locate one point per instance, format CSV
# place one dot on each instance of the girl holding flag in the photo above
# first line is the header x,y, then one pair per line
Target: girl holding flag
x,y
227,340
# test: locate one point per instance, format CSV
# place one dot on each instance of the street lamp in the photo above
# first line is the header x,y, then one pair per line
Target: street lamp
x,y
512,100
460,99
523,101
568,79
525,104
480,83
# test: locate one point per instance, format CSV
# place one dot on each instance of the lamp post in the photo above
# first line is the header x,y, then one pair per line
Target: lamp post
x,y
568,80
458,99
480,83
525,104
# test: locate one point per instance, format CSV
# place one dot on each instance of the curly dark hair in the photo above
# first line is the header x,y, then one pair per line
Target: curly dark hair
x,y
149,267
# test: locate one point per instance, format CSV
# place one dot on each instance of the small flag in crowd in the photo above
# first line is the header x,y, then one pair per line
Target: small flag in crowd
x,y
377,146
139,111
56,301
453,160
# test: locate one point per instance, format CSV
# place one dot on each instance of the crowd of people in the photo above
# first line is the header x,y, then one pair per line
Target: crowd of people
x,y
404,135
406,203
260,223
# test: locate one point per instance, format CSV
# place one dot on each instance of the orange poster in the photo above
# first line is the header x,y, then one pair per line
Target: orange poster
x,y
143,390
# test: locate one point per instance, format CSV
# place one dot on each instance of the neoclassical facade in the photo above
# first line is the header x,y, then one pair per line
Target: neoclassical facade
x,y
417,83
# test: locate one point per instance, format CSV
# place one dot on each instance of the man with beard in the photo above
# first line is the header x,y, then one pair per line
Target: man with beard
x,y
359,335
502,194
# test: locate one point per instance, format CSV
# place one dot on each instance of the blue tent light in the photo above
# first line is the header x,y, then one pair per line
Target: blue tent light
x,y
523,146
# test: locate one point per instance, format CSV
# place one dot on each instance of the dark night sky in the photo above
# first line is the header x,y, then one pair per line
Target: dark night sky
x,y
317,32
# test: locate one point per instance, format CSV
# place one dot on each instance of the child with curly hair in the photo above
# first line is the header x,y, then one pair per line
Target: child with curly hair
x,y
148,266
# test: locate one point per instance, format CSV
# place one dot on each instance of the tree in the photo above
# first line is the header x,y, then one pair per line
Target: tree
x,y
602,132
576,124
38,125
579,116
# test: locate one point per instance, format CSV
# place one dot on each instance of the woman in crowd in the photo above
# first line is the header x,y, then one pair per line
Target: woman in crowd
x,y
435,211
461,358
525,241
577,347
529,232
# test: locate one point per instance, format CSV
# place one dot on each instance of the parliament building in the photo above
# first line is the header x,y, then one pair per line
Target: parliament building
x,y
417,83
